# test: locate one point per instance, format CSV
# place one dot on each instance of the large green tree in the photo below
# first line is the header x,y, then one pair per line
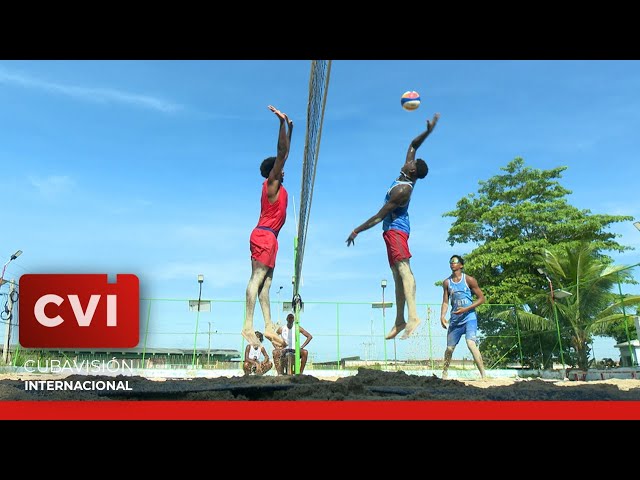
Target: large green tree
x,y
512,219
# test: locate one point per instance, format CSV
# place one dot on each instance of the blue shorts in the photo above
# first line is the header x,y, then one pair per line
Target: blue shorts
x,y
469,328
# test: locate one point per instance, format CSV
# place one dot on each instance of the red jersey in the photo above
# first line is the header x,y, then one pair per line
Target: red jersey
x,y
273,215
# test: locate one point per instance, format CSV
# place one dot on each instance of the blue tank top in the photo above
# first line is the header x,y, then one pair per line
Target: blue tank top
x,y
398,218
460,295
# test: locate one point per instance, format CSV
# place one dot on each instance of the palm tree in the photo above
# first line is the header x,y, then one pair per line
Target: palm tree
x,y
592,306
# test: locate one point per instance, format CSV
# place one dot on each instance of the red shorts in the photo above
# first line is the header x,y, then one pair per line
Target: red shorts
x,y
397,245
264,247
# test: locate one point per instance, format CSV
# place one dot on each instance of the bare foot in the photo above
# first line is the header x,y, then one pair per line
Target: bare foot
x,y
273,337
397,328
250,337
411,326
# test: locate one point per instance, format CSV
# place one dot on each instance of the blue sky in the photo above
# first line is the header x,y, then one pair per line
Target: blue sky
x,y
151,167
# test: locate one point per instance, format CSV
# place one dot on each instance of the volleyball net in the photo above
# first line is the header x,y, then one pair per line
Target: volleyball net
x,y
318,88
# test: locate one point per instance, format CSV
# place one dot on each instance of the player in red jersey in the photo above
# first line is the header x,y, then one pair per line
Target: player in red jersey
x,y
264,237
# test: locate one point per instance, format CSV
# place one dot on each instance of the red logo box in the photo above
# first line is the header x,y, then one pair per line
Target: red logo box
x,y
79,311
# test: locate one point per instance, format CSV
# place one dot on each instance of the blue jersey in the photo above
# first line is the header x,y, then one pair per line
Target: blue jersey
x,y
460,295
398,218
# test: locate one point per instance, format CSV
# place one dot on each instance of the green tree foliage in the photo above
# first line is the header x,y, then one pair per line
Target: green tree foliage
x,y
592,308
513,219
622,333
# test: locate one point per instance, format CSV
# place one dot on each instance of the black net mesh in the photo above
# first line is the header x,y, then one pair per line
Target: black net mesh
x,y
318,87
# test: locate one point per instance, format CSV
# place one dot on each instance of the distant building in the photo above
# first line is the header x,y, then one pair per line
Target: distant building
x,y
627,353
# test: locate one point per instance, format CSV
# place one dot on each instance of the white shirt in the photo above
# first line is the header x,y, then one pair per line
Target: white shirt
x,y
254,353
288,335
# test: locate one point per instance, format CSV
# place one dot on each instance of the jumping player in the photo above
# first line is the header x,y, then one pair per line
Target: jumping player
x,y
263,242
395,217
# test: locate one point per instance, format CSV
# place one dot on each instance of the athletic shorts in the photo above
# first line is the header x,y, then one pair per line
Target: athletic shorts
x,y
397,245
469,328
264,247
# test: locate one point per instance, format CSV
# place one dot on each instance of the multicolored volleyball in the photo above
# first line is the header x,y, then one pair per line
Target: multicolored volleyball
x,y
410,100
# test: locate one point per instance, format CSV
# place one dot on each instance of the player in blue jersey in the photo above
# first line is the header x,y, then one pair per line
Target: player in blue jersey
x,y
394,216
458,290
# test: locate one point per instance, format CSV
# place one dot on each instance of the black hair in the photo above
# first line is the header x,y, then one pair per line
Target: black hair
x,y
460,259
421,168
260,336
290,315
266,166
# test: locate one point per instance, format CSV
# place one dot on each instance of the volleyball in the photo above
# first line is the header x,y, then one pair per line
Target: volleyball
x,y
410,100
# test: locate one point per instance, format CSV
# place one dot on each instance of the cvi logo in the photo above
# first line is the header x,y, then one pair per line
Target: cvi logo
x,y
79,311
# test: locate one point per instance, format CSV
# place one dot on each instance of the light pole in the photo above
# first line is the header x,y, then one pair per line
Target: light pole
x,y
13,257
637,225
383,305
279,302
554,295
383,284
200,280
195,339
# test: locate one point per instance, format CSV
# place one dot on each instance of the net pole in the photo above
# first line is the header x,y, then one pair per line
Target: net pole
x,y
296,311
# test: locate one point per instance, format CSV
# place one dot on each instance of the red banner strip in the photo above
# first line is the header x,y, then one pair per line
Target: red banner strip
x,y
320,410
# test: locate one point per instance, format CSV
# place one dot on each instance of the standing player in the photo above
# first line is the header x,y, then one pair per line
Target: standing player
x,y
459,289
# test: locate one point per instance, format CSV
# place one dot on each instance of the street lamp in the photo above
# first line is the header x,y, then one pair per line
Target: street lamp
x,y
280,302
637,225
200,280
383,284
562,294
195,339
13,257
383,305
554,295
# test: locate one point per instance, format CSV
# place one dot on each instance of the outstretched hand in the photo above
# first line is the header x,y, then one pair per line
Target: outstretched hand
x,y
431,124
279,114
352,239
288,120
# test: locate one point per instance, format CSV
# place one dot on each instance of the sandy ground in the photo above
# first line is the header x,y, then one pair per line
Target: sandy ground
x,y
366,385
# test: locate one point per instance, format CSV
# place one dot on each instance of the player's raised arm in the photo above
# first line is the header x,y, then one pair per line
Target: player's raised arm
x,y
416,142
275,175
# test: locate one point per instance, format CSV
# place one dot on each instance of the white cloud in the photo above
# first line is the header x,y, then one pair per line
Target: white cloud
x,y
92,94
